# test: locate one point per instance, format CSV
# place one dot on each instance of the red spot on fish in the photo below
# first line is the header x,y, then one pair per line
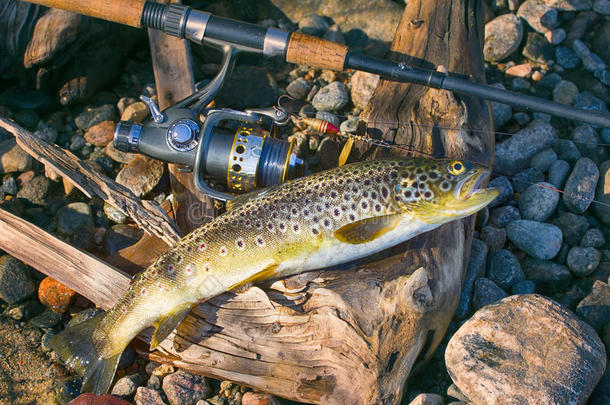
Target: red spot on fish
x,y
171,268
143,292
203,246
124,309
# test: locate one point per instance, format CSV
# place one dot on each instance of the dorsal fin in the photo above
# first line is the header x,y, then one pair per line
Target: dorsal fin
x,y
244,198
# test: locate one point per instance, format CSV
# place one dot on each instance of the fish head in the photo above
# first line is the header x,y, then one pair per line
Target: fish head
x,y
439,191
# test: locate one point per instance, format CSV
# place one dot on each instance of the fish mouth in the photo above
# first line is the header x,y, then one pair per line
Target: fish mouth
x,y
470,192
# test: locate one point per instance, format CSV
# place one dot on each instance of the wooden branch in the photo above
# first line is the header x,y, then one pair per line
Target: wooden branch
x,y
147,214
79,270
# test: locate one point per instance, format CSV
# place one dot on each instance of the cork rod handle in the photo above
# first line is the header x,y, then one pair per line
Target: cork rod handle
x,y
126,12
307,50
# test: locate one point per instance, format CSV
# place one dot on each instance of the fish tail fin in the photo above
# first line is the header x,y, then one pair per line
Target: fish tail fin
x,y
76,347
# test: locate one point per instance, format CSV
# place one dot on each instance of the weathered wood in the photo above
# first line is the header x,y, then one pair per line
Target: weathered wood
x,y
79,270
146,214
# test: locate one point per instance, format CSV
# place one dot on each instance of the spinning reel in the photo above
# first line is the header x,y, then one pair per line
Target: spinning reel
x,y
236,148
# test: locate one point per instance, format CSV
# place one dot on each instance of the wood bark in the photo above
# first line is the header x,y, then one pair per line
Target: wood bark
x,y
352,335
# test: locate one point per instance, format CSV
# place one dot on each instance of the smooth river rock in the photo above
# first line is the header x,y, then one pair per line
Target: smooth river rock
x,y
537,239
525,349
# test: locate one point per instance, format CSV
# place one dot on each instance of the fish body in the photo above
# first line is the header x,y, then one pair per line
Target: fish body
x,y
313,222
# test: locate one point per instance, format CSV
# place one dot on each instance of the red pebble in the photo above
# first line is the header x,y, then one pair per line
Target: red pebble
x,y
55,295
258,398
92,399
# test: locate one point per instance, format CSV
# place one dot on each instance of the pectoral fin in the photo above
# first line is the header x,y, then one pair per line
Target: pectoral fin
x,y
368,229
167,323
267,272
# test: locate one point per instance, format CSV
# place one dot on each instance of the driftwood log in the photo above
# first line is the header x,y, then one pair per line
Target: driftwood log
x,y
349,335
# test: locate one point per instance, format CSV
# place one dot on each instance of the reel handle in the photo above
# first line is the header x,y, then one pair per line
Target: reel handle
x,y
127,12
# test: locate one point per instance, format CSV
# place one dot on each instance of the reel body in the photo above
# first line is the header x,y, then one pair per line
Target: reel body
x,y
235,148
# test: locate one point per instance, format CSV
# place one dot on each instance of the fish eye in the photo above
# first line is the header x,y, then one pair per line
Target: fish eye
x,y
456,168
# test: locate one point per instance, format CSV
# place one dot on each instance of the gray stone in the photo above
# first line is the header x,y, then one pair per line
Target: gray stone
x,y
603,75
141,175
501,216
298,88
587,141
504,269
127,386
579,190
72,216
593,238
538,202
539,240
558,173
9,185
525,349
486,292
183,388
475,269
605,135
114,214
349,125
593,63
15,280
36,190
47,319
313,24
569,5
521,117
602,7
119,237
548,276
527,177
565,92
566,150
583,261
595,307
147,396
363,85
520,84
494,238
89,118
588,101
506,191
538,15
514,154
154,382
332,97
330,117
13,158
543,159
503,36
573,227
523,287
537,48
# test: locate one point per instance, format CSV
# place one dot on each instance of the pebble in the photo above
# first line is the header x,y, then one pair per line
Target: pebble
x,y
330,117
486,292
259,398
45,340
523,70
593,238
566,57
579,190
502,113
119,237
569,5
182,388
36,190
118,156
350,125
147,396
504,269
583,261
141,175
501,216
13,158
514,154
136,112
548,276
543,159
503,36
160,370
588,101
9,185
558,173
47,319
114,214
494,238
84,315
92,399
522,118
15,280
566,150
506,191
539,240
523,287
602,7
298,88
573,227
47,134
333,33
313,24
538,15
555,36
100,134
154,382
595,307
127,386
363,85
55,295
74,215
603,75
526,178
605,135
587,141
428,399
331,97
538,202
497,356
89,118
602,194
565,92
537,48
475,270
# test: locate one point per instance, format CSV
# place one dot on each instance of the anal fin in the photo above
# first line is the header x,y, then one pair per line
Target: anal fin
x,y
167,323
368,229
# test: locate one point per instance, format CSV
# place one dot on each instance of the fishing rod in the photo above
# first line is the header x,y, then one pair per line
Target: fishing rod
x,y
239,149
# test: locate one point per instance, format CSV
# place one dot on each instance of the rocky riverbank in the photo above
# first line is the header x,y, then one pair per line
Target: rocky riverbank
x,y
533,321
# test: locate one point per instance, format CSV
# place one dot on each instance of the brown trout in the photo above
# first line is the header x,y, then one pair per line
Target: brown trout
x,y
313,222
